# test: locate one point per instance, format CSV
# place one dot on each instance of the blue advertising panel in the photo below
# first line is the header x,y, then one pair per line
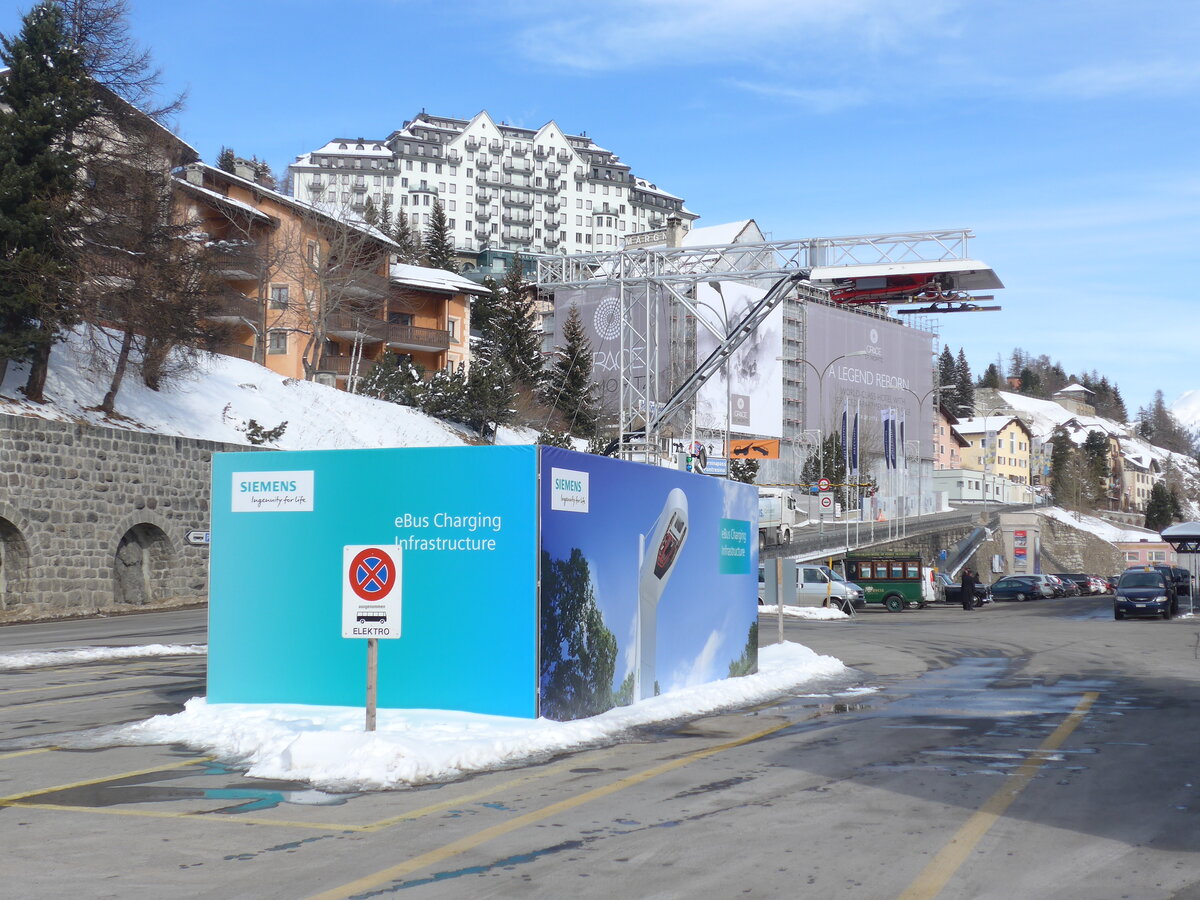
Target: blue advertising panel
x,y
461,522
649,581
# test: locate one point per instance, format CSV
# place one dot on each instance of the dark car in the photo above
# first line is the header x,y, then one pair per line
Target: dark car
x,y
1064,587
1020,587
1144,591
950,591
1080,580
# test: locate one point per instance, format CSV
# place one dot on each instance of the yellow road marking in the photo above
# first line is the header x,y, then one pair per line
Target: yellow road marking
x,y
17,753
75,684
11,799
367,882
21,801
943,866
17,707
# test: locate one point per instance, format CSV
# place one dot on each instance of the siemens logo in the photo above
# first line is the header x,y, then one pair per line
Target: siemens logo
x,y
256,486
272,492
569,490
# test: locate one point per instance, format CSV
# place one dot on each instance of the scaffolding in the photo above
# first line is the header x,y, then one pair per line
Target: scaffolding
x,y
642,276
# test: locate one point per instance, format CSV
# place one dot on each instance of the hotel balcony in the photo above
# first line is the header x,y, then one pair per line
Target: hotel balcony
x,y
359,284
484,196
516,200
510,235
521,167
514,219
553,205
233,306
483,163
519,150
411,337
553,171
482,214
473,144
237,260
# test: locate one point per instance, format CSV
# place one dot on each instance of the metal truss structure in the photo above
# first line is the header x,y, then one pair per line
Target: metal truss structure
x,y
643,275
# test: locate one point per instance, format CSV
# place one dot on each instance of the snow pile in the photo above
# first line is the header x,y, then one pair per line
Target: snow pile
x,y
36,659
814,613
1099,527
222,396
327,746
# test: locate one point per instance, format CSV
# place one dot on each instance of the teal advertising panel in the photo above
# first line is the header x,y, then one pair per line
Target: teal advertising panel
x,y
460,525
649,581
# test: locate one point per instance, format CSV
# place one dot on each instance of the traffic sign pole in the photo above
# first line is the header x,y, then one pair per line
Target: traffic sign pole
x,y
372,680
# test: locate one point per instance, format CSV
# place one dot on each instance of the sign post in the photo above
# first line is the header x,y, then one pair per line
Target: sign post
x,y
371,606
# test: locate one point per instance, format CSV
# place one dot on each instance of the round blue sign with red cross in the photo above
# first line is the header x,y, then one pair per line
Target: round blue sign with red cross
x,y
372,574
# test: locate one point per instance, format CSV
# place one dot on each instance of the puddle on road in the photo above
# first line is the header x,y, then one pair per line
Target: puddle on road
x,y
155,787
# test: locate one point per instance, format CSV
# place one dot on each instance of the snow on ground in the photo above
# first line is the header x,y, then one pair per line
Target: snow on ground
x,y
1099,527
327,746
1187,409
803,612
36,659
222,396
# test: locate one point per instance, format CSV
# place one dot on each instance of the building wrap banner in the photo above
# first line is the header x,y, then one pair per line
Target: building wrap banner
x,y
896,363
756,369
600,314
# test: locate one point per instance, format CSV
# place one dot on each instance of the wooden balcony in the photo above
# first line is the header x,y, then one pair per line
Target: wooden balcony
x,y
358,284
236,260
371,330
238,351
234,306
410,337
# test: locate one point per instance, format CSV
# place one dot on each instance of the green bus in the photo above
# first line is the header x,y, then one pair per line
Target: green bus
x,y
894,581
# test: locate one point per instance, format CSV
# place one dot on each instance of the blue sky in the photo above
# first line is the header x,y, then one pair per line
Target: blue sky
x,y
1064,134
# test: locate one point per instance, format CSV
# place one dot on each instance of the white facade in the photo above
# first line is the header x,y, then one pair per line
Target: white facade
x,y
502,187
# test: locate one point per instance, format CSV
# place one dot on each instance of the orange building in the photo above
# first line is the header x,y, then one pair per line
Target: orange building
x,y
315,294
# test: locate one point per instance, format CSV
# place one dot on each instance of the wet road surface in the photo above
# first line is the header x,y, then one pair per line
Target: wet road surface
x,y
1020,751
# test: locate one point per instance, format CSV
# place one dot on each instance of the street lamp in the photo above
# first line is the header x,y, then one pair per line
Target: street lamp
x,y
986,465
716,286
920,407
821,373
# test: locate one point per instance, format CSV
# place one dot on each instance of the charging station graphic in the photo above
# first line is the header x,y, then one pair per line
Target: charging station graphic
x,y
535,581
666,542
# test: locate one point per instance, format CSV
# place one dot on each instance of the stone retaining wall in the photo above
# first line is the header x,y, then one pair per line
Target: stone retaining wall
x,y
94,519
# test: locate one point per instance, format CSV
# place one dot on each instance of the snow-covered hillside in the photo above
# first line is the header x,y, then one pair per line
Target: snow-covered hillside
x,y
222,396
1187,409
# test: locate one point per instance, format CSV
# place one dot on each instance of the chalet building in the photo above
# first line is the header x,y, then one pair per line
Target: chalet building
x,y
309,292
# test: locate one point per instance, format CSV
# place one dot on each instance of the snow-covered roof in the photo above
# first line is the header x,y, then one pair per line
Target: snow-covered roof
x,y
743,231
338,216
1074,389
434,279
374,147
219,198
980,424
643,185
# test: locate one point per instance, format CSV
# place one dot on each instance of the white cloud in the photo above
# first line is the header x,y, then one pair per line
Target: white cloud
x,y
700,670
1110,79
821,100
635,33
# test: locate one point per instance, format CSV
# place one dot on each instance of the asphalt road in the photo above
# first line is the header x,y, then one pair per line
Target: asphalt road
x,y
1036,750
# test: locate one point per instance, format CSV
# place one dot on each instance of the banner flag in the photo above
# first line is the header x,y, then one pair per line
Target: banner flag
x,y
903,450
854,446
845,444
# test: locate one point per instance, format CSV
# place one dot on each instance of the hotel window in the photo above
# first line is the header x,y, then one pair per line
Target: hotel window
x,y
452,327
277,341
279,296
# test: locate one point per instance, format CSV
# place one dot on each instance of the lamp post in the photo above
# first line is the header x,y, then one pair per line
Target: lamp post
x,y
716,286
920,471
986,464
821,373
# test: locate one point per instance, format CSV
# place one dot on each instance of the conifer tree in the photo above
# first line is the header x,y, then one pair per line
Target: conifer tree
x,y
226,161
48,99
569,387
370,213
404,235
1158,508
439,244
991,377
948,374
964,385
512,330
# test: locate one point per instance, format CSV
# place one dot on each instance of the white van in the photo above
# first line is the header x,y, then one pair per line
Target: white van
x,y
813,584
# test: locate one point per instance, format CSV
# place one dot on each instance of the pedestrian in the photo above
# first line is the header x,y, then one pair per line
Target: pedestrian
x,y
968,588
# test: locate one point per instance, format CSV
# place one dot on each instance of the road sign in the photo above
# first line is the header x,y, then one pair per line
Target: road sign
x,y
823,484
825,501
198,538
371,591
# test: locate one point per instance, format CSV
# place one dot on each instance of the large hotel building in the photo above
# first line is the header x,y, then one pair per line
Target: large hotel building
x,y
502,188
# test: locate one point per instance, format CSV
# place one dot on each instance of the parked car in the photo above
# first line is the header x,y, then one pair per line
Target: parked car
x,y
1055,589
1021,587
949,590
1098,585
1144,591
1080,580
1064,587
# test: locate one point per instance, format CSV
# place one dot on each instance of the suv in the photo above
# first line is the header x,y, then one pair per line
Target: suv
x,y
1144,591
1083,582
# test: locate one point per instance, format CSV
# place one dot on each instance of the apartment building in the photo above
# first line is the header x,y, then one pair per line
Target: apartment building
x,y
999,445
309,293
502,187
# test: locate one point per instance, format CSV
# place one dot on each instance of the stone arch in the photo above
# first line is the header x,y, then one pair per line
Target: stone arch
x,y
143,563
14,566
